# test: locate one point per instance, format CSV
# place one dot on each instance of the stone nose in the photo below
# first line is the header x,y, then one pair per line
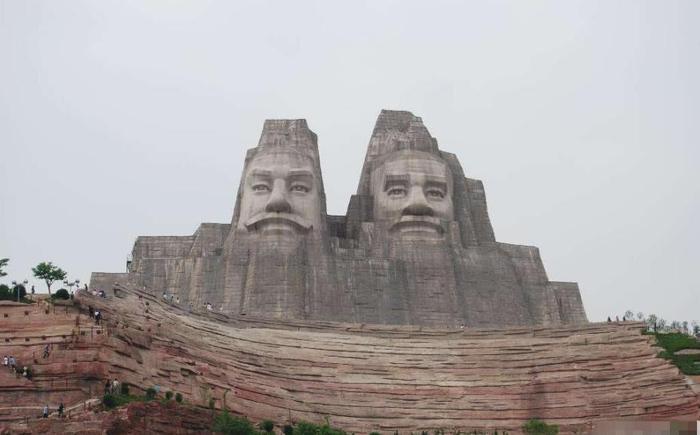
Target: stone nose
x,y
277,203
417,205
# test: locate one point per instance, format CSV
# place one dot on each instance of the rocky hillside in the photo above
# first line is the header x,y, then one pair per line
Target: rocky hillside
x,y
363,377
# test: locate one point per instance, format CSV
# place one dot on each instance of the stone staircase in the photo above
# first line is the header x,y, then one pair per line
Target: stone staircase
x,y
66,375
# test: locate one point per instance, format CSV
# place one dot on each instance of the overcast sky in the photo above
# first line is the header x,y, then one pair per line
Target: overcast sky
x,y
126,118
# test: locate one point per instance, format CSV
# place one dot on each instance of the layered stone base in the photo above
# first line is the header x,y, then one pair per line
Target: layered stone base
x,y
362,377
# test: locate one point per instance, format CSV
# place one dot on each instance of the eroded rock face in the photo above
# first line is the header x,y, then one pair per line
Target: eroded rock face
x,y
415,247
364,378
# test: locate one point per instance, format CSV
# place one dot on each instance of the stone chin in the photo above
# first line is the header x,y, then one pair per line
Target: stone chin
x,y
418,227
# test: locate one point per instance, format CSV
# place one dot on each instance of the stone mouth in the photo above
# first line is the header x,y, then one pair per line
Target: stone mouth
x,y
419,226
278,223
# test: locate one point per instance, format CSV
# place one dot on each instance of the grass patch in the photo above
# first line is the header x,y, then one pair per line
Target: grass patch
x,y
111,401
672,343
675,341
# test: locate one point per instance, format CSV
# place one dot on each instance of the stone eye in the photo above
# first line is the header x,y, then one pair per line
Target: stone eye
x,y
435,194
261,188
299,188
396,191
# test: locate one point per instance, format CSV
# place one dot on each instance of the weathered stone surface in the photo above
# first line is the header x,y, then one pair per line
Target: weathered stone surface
x,y
415,247
135,418
364,377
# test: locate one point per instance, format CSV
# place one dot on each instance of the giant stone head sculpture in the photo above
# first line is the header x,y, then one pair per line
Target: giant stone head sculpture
x,y
281,193
414,247
412,194
410,183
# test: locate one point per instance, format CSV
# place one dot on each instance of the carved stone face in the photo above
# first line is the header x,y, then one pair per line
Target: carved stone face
x,y
412,193
281,195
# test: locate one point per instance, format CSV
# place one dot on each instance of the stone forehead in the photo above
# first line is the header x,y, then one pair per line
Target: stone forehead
x,y
290,158
282,156
411,161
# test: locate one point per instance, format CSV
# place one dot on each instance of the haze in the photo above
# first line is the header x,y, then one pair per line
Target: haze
x,y
121,118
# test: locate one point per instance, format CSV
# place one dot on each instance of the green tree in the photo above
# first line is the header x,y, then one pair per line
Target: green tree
x,y
109,401
61,294
5,293
267,425
538,427
229,425
662,324
306,428
22,292
151,393
3,264
651,322
49,273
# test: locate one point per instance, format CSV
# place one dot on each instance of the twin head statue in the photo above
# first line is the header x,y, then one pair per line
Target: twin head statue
x,y
415,246
282,191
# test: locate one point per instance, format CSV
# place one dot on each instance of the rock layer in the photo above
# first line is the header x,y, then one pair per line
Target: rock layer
x,y
363,377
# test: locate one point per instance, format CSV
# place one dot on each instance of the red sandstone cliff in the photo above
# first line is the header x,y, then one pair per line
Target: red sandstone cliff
x,y
363,377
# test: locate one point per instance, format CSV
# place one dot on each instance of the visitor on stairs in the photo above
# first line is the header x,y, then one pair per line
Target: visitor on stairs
x,y
46,411
60,409
5,361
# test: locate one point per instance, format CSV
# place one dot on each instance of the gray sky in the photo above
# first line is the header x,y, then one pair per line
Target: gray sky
x,y
127,118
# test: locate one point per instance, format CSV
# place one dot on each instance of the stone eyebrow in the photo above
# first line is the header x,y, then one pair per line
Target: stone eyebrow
x,y
392,180
260,173
434,181
300,173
